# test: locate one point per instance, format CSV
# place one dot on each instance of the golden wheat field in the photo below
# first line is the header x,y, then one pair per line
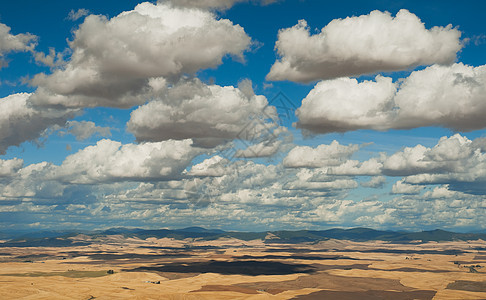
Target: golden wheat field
x,y
116,267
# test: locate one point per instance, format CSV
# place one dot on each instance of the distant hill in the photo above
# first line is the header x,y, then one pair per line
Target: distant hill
x,y
201,230
64,238
366,234
43,242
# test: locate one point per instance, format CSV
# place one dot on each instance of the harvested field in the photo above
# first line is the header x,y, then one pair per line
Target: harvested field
x,y
235,269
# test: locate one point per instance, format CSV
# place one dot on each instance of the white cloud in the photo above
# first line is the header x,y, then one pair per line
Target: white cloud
x,y
107,166
408,161
345,104
85,129
314,179
323,155
456,161
168,192
205,4
370,167
331,186
78,14
374,182
452,97
441,192
52,59
446,96
401,187
114,60
235,193
214,166
208,114
234,182
10,42
110,161
413,212
450,155
330,165
30,182
362,45
263,149
251,175
10,167
19,121
214,4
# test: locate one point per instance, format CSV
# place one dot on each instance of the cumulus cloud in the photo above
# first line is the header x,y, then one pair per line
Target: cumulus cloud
x,y
19,121
266,194
374,182
446,96
452,97
411,211
455,161
362,45
10,167
219,180
407,162
345,104
52,59
30,182
328,168
370,167
401,187
115,61
441,192
85,129
214,4
10,42
333,154
205,4
263,149
105,167
110,161
448,155
214,166
271,142
363,213
209,114
237,192
332,185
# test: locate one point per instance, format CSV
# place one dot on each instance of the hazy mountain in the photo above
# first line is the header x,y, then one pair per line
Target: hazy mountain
x,y
62,238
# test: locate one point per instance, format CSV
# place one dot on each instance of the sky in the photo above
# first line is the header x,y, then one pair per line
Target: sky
x,y
242,114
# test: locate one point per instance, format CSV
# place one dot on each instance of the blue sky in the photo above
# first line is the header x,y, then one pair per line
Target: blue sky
x,y
242,115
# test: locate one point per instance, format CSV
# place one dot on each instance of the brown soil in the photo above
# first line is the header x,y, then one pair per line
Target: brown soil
x,y
472,286
230,288
369,295
327,281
